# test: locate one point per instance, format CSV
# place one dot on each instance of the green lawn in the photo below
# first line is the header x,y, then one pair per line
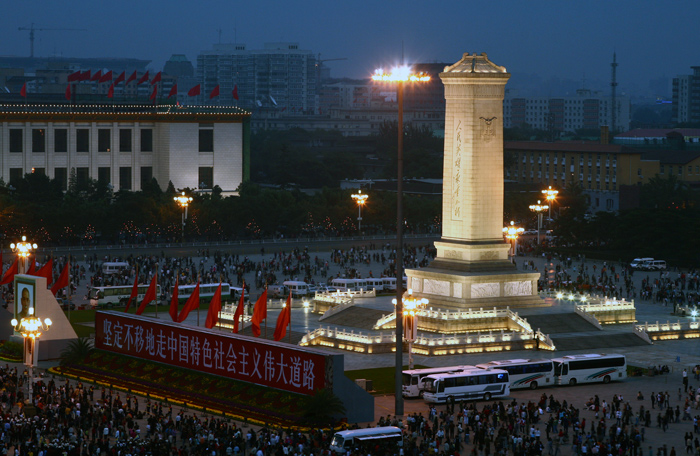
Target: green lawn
x,y
382,378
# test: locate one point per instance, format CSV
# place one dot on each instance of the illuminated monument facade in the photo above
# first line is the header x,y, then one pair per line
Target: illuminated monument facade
x,y
472,269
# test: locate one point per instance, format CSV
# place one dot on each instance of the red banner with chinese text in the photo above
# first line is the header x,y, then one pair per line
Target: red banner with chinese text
x,y
253,360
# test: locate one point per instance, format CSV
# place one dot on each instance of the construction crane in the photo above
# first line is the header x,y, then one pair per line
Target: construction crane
x,y
33,29
319,63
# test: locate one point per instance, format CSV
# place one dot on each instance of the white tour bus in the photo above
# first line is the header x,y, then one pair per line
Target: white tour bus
x,y
468,384
525,373
117,295
641,263
413,383
375,283
589,368
206,292
345,285
115,267
388,438
298,289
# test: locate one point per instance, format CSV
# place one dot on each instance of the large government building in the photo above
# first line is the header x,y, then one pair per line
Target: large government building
x,y
126,146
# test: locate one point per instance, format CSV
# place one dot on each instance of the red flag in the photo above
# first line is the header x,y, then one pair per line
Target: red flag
x,y
68,92
283,109
283,319
143,79
214,309
134,291
63,280
153,95
106,77
73,77
120,78
191,304
85,75
259,313
32,266
214,93
157,78
173,91
194,91
150,295
131,78
110,92
239,310
23,90
173,301
235,92
96,76
9,274
46,271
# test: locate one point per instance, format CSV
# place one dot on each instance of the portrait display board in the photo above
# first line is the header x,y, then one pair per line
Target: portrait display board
x,y
25,296
282,366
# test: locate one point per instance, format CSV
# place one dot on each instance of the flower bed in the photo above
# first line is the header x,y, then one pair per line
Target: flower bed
x,y
218,394
10,351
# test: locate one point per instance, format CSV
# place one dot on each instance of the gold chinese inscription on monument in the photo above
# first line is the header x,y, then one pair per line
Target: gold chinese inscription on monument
x,y
456,184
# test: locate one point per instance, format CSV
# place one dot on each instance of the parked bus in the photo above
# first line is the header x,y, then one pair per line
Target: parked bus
x,y
206,292
107,297
390,283
589,368
298,289
375,283
387,438
468,384
345,285
413,383
525,373
115,267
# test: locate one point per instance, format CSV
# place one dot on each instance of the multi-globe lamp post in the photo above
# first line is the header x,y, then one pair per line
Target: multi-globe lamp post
x,y
550,195
361,199
184,202
538,208
511,232
30,326
399,75
411,306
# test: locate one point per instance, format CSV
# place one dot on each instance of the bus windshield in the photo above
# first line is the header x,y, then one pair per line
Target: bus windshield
x,y
430,384
337,441
406,379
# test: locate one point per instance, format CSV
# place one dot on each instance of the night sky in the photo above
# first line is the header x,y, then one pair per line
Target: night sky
x,y
565,39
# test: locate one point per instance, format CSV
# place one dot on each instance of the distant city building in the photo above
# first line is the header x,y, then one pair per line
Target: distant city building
x,y
281,75
686,97
642,137
126,145
179,66
587,110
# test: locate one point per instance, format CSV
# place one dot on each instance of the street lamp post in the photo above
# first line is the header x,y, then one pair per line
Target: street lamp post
x,y
399,75
411,306
184,202
361,199
23,249
511,233
550,196
538,208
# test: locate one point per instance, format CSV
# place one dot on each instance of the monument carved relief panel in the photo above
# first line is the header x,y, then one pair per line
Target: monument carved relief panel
x,y
457,290
523,288
487,130
485,290
436,287
454,254
416,284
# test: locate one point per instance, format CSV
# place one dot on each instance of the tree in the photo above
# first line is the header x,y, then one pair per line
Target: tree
x,y
322,409
76,351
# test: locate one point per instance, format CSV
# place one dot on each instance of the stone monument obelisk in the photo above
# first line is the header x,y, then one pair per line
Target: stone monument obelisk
x,y
472,269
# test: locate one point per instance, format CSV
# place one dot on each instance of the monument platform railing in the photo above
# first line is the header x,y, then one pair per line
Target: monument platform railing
x,y
444,314
581,310
344,304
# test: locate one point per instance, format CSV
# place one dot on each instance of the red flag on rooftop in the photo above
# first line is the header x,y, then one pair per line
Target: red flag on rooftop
x,y
191,304
23,90
259,313
106,77
194,91
173,301
96,76
239,310
68,92
214,309
134,291
85,75
110,92
46,271
131,78
63,280
120,78
153,94
143,79
214,93
235,92
73,77
150,295
173,91
158,77
284,319
9,275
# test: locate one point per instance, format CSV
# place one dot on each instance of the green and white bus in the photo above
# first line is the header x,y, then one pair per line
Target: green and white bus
x,y
589,368
206,292
108,297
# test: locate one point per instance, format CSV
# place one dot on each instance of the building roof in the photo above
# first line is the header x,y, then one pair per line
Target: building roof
x,y
671,157
120,112
568,146
658,132
473,63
